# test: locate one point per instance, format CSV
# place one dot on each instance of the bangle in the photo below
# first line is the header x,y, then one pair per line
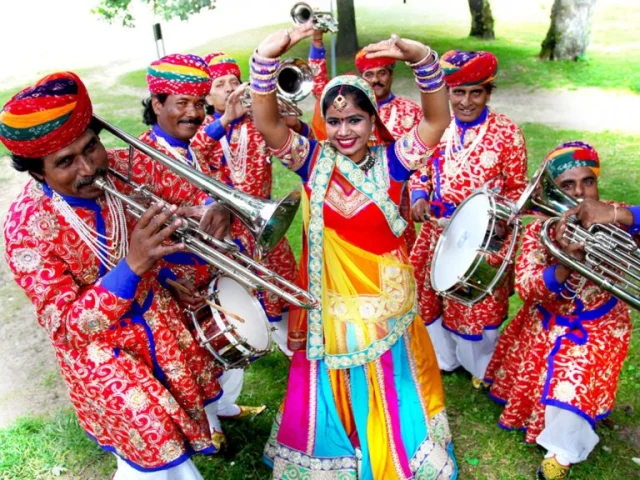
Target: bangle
x,y
264,74
424,61
432,84
615,213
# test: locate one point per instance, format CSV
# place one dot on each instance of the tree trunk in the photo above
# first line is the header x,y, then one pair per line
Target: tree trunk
x,y
481,19
347,35
568,35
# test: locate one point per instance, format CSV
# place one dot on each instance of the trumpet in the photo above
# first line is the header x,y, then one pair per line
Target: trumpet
x,y
612,258
267,220
302,13
232,263
294,83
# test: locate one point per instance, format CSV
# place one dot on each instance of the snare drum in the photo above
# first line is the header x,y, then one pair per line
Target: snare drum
x,y
233,343
461,268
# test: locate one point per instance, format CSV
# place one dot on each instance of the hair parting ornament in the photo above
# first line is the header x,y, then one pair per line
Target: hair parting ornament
x,y
340,102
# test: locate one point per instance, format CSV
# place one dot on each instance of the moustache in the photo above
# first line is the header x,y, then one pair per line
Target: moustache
x,y
191,121
378,84
85,181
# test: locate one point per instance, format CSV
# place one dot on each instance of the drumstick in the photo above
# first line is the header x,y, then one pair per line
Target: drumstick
x,y
184,289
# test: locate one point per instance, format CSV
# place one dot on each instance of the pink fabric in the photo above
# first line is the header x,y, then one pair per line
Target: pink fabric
x,y
295,412
389,391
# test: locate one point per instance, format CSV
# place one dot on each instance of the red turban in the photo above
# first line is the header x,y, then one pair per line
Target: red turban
x,y
465,69
179,74
221,64
46,117
363,63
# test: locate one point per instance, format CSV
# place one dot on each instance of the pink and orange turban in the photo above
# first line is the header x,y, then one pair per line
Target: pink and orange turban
x,y
46,117
465,69
363,63
572,155
179,74
221,64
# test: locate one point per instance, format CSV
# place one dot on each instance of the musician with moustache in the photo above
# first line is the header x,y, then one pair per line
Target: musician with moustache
x,y
399,114
557,363
480,148
137,379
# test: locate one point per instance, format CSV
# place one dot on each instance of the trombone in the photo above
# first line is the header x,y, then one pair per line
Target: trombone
x,y
302,13
223,255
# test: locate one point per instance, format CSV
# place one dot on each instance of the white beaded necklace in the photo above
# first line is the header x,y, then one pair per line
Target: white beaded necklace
x,y
458,162
238,161
115,246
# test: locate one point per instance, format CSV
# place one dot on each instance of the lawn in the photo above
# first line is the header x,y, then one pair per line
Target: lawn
x,y
55,446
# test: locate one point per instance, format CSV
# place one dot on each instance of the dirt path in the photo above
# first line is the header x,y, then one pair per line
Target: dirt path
x,y
30,383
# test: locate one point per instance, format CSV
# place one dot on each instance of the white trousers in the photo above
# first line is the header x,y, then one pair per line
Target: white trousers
x,y
567,435
185,471
453,351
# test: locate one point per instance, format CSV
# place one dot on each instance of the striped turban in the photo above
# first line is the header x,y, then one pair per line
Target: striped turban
x,y
363,63
221,64
465,69
46,117
179,74
572,155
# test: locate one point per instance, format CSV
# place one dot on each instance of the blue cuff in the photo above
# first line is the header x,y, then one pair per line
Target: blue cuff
x,y
635,211
550,280
397,170
166,274
209,201
121,281
184,258
215,130
417,195
305,129
316,53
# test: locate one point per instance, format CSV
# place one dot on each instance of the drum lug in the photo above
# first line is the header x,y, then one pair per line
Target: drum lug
x,y
471,284
230,328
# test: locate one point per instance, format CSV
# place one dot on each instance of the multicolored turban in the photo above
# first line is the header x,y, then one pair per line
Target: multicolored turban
x,y
179,74
46,117
465,69
572,155
221,64
363,63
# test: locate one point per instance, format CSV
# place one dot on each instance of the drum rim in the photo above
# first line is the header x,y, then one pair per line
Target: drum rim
x,y
441,240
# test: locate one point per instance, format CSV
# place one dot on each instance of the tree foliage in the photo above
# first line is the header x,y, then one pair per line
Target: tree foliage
x,y
120,10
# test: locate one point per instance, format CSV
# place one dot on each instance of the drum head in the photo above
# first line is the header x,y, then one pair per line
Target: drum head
x,y
235,298
457,247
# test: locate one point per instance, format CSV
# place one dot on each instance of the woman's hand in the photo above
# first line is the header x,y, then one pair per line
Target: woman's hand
x,y
398,48
420,211
283,40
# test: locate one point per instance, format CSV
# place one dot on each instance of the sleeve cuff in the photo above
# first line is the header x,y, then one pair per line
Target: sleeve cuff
x,y
417,195
550,281
215,130
209,201
635,211
316,53
166,274
121,281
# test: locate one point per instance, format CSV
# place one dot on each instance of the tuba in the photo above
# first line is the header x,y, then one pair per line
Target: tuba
x,y
293,84
266,219
302,13
612,257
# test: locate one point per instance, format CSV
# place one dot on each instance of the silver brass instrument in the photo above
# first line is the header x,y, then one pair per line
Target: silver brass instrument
x,y
223,255
302,13
612,259
267,220
294,83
